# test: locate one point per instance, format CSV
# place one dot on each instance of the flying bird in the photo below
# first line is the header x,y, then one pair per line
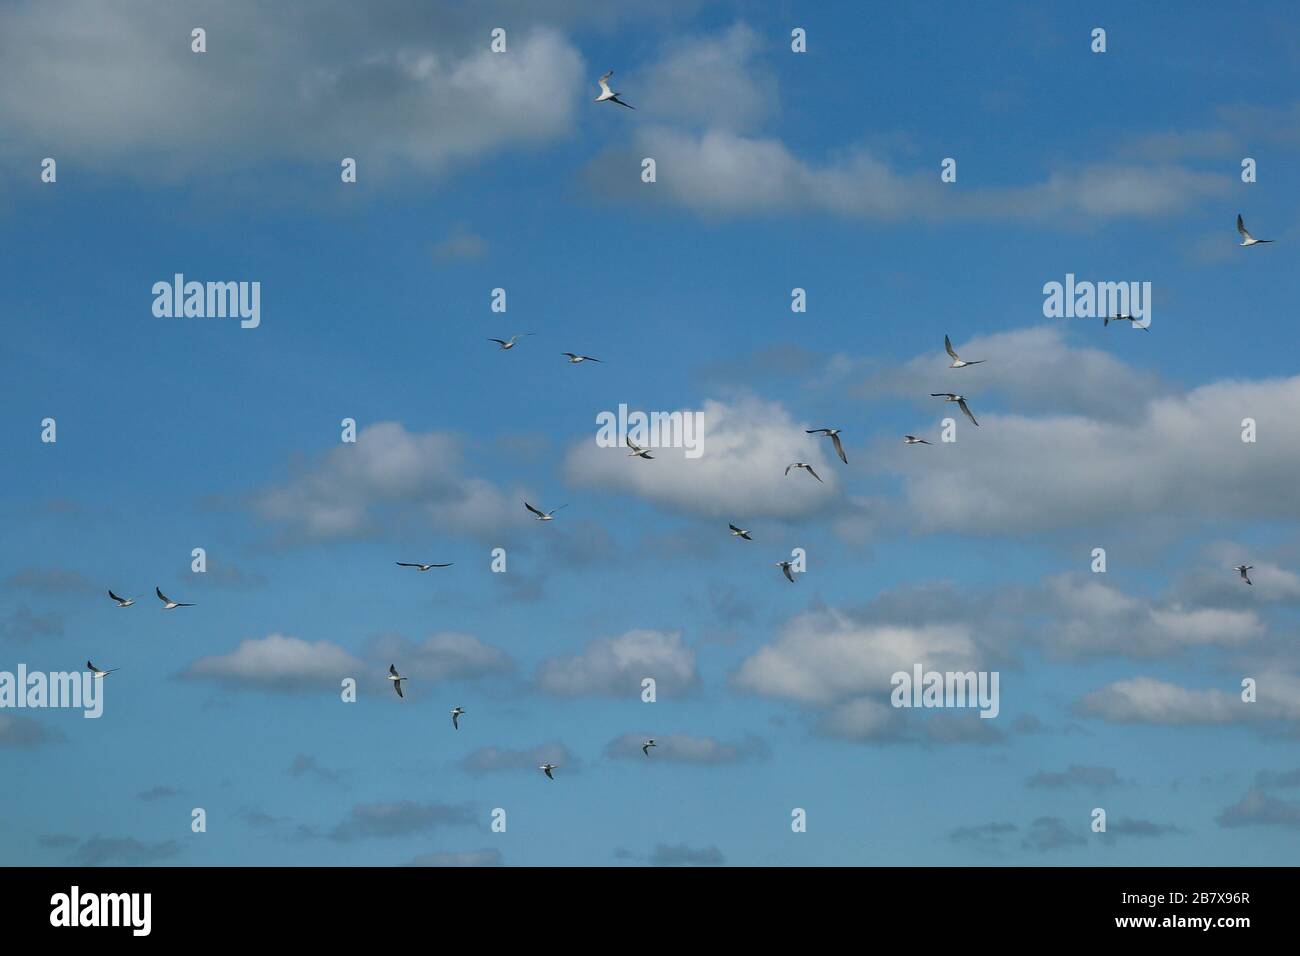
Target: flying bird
x,y
543,515
121,601
168,603
913,440
608,95
423,567
1246,238
455,716
834,434
957,361
1242,569
546,768
785,569
637,451
396,679
739,532
99,673
1117,317
574,359
645,747
806,467
506,345
959,399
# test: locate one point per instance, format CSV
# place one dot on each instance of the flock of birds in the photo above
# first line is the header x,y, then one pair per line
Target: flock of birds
x,y
634,451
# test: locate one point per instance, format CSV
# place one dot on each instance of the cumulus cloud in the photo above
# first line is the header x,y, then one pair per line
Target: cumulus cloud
x,y
400,86
1075,471
740,94
280,662
684,748
389,477
1145,700
615,666
1258,808
747,444
442,657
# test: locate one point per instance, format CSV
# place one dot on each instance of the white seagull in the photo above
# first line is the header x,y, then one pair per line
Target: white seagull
x,y
608,95
574,358
1246,238
121,601
739,532
1242,569
455,716
98,673
423,567
645,747
834,434
396,679
959,399
168,603
504,345
785,568
805,466
543,515
957,362
546,768
913,440
637,451
1117,317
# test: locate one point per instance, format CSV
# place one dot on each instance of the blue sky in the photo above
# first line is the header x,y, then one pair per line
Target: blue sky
x,y
482,170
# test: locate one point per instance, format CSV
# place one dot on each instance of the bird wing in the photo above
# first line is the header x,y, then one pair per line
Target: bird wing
x,y
397,686
839,449
404,564
392,669
1241,228
787,469
455,721
786,569
499,341
962,403
735,529
941,395
447,565
91,666
813,473
533,510
615,99
947,344
162,597
547,771
114,596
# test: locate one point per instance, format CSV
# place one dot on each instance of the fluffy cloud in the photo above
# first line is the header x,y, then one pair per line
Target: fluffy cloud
x,y
615,666
389,476
746,447
280,662
111,82
442,657
1144,700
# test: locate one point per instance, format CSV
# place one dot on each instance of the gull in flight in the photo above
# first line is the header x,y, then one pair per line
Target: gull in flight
x,y
645,747
957,362
637,451
546,768
504,345
834,434
98,673
1117,317
121,601
396,679
805,466
608,95
1242,569
543,515
959,399
785,569
913,440
1246,238
739,532
168,603
574,358
455,716
423,567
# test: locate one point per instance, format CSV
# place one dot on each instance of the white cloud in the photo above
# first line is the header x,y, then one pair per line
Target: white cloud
x,y
280,662
747,445
615,666
709,80
688,749
441,657
389,476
